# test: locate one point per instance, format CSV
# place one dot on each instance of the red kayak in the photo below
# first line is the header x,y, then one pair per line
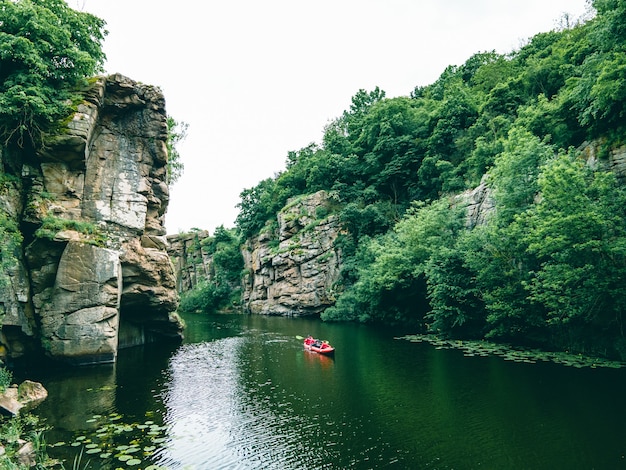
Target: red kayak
x,y
318,346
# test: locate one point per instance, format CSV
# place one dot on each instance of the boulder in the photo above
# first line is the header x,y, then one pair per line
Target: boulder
x,y
22,398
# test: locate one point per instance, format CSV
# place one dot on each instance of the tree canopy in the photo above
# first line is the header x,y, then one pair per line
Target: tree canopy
x,y
46,48
536,128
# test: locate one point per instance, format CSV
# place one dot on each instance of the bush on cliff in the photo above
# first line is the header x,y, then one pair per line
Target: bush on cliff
x,y
221,289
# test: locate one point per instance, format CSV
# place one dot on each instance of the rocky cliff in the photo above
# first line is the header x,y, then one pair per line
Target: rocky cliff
x,y
480,203
84,221
192,264
293,268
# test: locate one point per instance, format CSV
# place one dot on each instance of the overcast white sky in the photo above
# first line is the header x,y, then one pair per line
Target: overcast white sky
x,y
255,79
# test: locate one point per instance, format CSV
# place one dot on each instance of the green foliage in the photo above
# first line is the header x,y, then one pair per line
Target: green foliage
x,y
14,431
222,288
514,175
6,378
46,48
52,225
257,206
205,297
456,303
391,273
176,133
10,244
577,231
546,267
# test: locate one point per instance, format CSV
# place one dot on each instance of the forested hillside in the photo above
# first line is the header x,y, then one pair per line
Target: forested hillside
x,y
549,266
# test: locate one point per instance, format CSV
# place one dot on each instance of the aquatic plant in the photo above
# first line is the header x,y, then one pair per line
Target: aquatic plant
x,y
515,354
14,433
114,443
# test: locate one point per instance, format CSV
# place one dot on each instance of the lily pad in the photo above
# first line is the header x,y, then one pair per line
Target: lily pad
x,y
515,354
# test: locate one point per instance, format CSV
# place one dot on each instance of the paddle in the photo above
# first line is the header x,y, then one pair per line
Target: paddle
x,y
299,337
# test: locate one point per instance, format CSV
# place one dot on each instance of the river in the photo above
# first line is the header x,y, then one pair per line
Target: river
x,y
242,393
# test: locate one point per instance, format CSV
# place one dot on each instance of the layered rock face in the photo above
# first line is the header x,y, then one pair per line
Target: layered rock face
x,y
95,275
293,271
191,263
479,204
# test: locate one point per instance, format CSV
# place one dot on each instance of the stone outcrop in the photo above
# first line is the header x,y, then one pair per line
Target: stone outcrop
x,y
22,398
92,273
479,203
192,263
293,270
596,156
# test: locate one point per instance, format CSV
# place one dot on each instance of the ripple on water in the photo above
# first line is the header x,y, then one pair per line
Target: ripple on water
x,y
215,423
198,400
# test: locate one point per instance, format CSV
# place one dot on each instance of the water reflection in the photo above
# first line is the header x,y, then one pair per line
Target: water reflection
x,y
77,397
242,393
199,401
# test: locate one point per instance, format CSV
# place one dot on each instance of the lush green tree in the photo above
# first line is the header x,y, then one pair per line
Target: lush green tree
x,y
366,219
391,285
577,231
45,49
340,135
607,94
224,245
495,254
596,90
609,29
205,297
514,175
176,133
256,207
222,289
392,153
484,70
456,305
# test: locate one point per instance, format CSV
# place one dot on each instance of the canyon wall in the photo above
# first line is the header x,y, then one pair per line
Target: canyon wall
x,y
84,219
292,269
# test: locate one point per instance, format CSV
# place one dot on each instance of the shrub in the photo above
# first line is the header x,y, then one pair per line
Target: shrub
x,y
6,376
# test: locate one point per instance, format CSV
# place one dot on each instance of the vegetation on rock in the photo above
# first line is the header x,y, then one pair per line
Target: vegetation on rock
x,y
220,289
90,233
545,268
176,133
46,48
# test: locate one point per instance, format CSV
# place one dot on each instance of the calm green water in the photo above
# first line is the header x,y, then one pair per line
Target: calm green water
x,y
241,393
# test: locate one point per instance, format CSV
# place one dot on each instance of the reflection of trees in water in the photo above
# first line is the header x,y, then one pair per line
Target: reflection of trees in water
x,y
78,393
